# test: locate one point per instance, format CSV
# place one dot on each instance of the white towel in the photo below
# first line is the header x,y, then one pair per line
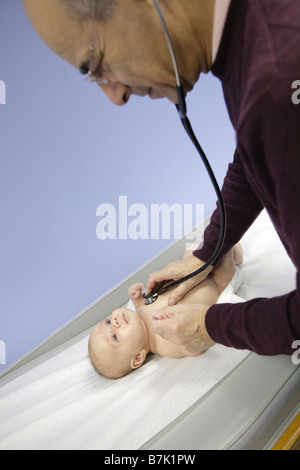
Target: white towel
x,y
74,408
229,293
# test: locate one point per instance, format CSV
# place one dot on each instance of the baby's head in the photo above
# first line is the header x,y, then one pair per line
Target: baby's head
x,y
119,344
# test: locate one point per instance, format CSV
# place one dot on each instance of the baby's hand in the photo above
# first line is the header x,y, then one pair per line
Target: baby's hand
x,y
135,291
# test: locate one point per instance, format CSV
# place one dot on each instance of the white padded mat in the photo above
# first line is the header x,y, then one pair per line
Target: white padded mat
x,y
63,404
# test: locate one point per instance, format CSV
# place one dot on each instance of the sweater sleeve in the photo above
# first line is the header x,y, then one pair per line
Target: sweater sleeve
x,y
257,63
265,326
242,208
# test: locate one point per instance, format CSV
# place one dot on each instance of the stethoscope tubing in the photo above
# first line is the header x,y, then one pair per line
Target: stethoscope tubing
x,y
222,233
182,111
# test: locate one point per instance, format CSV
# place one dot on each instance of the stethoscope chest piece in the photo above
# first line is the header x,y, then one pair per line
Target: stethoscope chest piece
x,y
150,298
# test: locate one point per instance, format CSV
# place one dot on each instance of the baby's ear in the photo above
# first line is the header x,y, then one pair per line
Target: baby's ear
x,y
138,359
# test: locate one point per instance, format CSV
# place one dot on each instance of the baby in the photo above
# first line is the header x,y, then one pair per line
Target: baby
x,y
122,342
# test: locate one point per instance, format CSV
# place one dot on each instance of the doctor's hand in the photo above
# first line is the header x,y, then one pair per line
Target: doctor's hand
x,y
183,324
175,271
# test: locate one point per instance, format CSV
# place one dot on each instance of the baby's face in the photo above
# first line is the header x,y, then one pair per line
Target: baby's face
x,y
120,336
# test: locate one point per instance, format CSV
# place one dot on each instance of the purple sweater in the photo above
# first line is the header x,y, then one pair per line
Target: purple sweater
x,y
257,62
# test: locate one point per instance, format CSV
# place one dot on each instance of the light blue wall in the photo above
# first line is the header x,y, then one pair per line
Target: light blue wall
x,y
65,150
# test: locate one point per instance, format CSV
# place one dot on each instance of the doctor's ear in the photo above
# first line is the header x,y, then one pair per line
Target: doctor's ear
x,y
138,359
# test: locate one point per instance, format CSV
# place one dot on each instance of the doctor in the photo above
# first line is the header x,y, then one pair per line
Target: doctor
x,y
252,46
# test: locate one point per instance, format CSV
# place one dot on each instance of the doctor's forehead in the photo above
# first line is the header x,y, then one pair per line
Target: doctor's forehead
x,y
67,37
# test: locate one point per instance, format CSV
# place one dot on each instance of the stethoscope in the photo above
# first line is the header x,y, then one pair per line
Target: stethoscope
x,y
182,111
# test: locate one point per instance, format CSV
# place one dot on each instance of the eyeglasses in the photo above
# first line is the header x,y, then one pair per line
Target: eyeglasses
x,y
91,75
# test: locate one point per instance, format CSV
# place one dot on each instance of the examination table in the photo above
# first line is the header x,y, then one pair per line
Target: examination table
x,y
225,399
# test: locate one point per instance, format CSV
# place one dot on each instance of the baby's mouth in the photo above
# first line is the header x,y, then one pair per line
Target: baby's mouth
x,y
125,318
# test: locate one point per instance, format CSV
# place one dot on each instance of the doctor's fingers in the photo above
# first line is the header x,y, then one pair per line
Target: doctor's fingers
x,y
177,324
173,271
185,327
157,280
166,323
179,292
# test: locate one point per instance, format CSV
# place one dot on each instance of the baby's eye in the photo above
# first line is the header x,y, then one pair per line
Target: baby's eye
x,y
115,338
108,322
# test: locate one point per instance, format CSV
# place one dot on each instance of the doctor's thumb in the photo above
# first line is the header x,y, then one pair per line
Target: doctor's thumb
x,y
179,293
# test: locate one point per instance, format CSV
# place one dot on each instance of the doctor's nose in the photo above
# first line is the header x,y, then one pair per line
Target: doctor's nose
x,y
117,93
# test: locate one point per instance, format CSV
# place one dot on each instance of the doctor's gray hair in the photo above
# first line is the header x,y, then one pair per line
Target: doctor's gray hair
x,y
85,9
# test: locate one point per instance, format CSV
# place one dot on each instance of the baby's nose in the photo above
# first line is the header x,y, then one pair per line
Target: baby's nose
x,y
116,322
